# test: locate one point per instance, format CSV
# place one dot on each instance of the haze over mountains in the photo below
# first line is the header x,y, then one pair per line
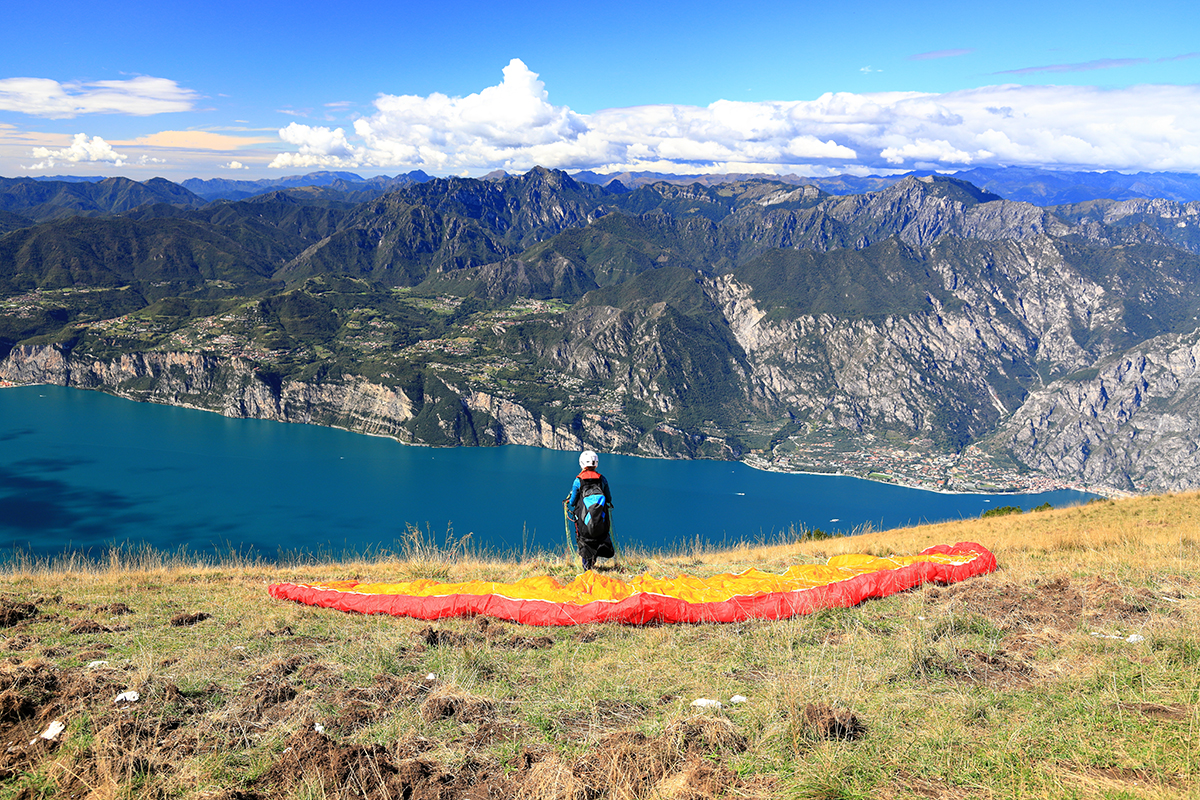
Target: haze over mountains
x,y
734,318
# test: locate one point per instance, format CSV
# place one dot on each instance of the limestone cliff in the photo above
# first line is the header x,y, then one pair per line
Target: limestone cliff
x,y
228,386
1128,422
446,414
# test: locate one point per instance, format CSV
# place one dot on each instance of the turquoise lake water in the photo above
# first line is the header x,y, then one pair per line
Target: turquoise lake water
x,y
81,470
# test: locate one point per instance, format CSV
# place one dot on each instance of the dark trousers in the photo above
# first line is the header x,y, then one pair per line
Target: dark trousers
x,y
593,544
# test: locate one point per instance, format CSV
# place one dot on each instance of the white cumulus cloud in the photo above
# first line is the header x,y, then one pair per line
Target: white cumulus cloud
x,y
924,151
140,96
319,147
514,126
82,149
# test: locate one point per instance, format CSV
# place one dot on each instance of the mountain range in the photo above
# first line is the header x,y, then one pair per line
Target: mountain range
x,y
744,318
1024,184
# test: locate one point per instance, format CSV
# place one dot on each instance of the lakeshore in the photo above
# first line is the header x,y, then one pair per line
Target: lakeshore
x,y
908,463
83,470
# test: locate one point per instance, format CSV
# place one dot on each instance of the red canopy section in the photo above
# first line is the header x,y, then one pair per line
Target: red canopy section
x,y
844,581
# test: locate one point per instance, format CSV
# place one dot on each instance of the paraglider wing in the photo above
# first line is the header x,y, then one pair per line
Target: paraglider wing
x,y
844,581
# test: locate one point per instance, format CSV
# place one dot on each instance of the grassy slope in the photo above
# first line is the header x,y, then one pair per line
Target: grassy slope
x,y
996,687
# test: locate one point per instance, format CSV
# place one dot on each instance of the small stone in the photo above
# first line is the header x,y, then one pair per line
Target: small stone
x,y
52,731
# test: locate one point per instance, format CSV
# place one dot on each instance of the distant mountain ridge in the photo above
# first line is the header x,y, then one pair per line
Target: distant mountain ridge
x,y
45,200
232,189
1040,187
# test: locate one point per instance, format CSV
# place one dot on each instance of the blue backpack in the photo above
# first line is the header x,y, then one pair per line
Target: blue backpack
x,y
591,509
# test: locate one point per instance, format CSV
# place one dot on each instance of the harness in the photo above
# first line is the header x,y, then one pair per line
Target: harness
x,y
591,506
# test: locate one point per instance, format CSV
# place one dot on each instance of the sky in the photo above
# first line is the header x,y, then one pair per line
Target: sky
x,y
265,89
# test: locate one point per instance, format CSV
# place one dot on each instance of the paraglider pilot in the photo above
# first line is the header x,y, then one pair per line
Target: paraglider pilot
x,y
590,506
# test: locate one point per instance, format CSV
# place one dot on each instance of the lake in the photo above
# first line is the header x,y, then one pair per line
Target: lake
x,y
85,471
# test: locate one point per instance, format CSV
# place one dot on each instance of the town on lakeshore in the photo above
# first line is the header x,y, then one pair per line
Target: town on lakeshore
x,y
913,463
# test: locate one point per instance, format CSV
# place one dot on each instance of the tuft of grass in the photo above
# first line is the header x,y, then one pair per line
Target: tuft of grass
x,y
422,555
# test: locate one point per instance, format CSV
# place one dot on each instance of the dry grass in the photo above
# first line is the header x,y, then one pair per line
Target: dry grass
x,y
1151,533
1019,684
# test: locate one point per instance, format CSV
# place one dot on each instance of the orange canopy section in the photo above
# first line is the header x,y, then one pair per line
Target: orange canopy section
x,y
592,597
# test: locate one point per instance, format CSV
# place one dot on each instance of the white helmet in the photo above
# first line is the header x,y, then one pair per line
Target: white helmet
x,y
588,459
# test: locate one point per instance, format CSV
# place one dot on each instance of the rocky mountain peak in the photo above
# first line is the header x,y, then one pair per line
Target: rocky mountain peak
x,y
541,176
939,186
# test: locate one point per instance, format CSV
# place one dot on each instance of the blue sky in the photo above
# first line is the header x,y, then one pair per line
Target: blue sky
x,y
258,89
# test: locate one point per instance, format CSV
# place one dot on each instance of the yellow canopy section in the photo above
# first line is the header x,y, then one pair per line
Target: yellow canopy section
x,y
591,587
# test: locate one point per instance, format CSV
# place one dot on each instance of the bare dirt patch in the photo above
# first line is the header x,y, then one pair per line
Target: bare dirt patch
x,y
686,761
313,761
96,652
360,706
19,642
268,691
991,669
433,637
193,702
1178,712
33,680
444,702
85,626
277,668
825,722
500,730
79,689
526,642
486,631
12,612
14,706
113,609
1029,615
